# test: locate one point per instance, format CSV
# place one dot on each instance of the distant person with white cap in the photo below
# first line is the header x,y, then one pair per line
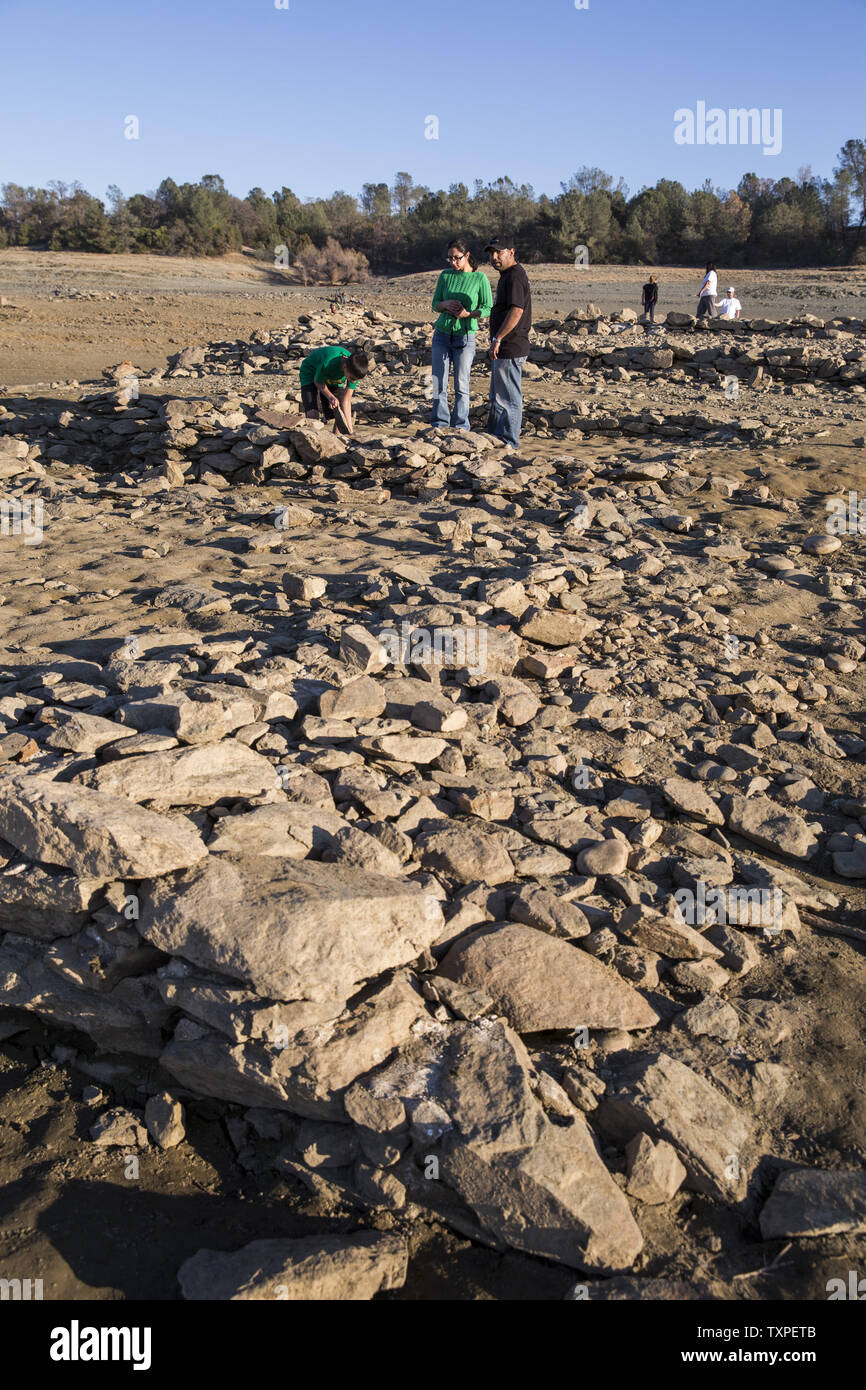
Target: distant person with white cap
x,y
729,307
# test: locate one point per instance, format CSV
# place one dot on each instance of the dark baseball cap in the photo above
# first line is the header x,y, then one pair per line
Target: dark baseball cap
x,y
503,242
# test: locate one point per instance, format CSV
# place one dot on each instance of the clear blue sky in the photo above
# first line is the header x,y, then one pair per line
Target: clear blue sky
x,y
326,95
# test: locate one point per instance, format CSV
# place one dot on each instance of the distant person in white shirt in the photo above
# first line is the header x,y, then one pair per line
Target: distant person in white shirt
x,y
707,293
729,307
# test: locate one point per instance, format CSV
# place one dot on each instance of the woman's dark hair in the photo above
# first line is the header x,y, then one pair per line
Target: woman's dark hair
x,y
458,244
711,265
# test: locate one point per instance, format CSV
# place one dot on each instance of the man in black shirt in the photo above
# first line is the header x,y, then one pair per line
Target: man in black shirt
x,y
510,322
650,298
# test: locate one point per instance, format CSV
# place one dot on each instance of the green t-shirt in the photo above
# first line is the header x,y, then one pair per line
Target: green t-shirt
x,y
472,289
324,367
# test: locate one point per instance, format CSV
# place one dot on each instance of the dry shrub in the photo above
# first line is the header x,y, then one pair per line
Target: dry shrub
x,y
332,264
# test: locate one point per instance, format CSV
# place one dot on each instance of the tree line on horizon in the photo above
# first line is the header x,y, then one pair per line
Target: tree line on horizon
x,y
404,226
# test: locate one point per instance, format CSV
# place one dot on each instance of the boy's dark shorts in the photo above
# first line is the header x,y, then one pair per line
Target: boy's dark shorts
x,y
314,405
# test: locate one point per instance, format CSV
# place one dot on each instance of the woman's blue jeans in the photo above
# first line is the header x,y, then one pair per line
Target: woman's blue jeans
x,y
457,350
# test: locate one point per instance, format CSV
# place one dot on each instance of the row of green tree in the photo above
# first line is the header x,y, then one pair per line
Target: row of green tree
x,y
807,220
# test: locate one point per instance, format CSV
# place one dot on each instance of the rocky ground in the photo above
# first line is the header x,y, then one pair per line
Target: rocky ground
x,y
448,864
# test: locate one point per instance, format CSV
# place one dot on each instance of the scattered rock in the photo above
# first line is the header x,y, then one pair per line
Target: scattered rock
x,y
119,1129
811,1202
767,824
655,1174
314,1268
163,1117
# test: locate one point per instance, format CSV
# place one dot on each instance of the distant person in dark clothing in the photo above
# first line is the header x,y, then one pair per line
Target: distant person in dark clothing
x,y
650,298
510,322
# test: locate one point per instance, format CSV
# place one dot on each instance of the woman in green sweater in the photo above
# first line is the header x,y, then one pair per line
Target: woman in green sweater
x,y
462,297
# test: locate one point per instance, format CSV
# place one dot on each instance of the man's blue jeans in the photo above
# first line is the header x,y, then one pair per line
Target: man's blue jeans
x,y
457,350
506,399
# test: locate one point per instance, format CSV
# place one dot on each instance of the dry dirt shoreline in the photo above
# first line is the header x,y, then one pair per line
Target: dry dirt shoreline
x,y
168,302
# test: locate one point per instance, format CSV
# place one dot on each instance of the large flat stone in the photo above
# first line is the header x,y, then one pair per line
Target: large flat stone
x,y
288,929
319,1065
91,833
556,1200
237,1013
692,800
198,776
241,1073
276,1057
288,831
556,628
45,903
76,732
313,1268
772,826
465,854
851,863
812,1202
192,721
362,698
649,930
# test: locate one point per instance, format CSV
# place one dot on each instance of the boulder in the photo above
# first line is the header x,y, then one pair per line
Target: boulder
x,y
119,1129
73,731
659,1096
163,1116
650,930
605,857
128,1018
288,929
539,1187
191,721
539,983
538,907
555,628
655,1174
315,446
286,831
692,800
362,698
45,903
466,855
90,833
815,1202
284,1060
